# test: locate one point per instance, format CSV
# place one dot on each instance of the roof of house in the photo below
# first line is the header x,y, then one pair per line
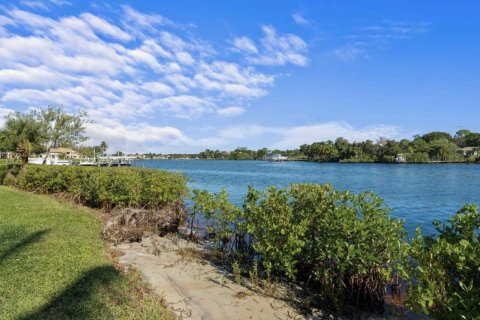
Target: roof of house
x,y
469,149
62,150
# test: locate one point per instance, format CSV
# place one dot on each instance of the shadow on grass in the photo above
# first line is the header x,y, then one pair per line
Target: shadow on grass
x,y
90,297
34,237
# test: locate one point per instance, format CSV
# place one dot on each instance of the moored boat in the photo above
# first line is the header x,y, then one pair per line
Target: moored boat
x,y
49,159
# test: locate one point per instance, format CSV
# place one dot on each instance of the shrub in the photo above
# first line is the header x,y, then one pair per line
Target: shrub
x,y
343,246
160,187
419,157
5,169
352,245
271,222
445,270
104,187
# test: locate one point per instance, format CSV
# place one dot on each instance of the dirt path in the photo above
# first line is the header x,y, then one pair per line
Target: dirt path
x,y
196,290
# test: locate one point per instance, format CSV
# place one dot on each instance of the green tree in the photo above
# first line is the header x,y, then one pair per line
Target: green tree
x,y
419,145
343,147
262,153
437,135
24,133
63,129
103,147
472,140
461,137
443,150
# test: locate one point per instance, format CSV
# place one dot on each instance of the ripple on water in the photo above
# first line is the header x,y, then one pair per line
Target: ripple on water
x,y
416,193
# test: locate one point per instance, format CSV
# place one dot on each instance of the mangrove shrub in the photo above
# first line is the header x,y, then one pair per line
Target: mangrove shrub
x,y
445,270
342,247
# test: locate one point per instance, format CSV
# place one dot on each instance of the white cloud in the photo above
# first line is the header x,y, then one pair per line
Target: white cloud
x,y
39,77
158,88
35,4
135,137
300,19
61,2
44,4
183,106
275,49
350,52
230,111
120,70
134,18
284,137
295,136
244,44
143,137
374,36
3,113
133,70
105,27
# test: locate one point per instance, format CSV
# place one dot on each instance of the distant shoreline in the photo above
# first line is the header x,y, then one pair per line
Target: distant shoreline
x,y
313,161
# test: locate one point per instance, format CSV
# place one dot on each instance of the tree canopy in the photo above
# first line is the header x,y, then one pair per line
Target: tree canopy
x,y
63,129
433,146
37,131
23,133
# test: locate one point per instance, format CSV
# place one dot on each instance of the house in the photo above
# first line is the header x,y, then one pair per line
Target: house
x,y
7,155
469,151
69,153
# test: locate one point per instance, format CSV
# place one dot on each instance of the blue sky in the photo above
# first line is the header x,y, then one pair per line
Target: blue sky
x,y
182,76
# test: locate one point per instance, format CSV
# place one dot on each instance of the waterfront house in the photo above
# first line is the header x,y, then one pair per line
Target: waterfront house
x,y
67,152
469,151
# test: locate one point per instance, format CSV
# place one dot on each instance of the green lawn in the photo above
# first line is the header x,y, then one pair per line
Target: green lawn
x,y
53,264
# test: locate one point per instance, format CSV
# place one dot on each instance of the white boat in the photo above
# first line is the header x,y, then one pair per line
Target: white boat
x,y
52,159
87,162
277,158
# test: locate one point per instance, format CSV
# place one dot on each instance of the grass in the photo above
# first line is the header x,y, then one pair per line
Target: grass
x,y
54,265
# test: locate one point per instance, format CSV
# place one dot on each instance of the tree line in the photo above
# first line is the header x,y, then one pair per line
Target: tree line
x,y
432,146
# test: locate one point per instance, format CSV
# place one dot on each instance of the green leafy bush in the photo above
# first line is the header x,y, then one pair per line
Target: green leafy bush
x,y
445,270
103,187
351,244
342,246
5,169
271,222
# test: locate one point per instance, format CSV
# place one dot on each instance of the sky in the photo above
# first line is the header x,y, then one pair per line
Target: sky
x,y
182,76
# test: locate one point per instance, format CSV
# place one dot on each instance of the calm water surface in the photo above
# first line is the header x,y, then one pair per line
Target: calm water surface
x,y
416,193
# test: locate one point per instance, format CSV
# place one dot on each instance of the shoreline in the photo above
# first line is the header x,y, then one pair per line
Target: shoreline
x,y
195,288
320,162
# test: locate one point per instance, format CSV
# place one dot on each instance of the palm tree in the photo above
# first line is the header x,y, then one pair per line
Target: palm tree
x,y
23,133
103,147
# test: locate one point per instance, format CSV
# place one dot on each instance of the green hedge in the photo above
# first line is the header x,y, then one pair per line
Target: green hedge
x,y
100,187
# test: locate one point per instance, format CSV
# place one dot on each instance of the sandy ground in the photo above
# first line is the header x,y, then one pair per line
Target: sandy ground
x,y
195,289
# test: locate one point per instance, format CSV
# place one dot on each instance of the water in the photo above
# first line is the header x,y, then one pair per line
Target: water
x,y
415,193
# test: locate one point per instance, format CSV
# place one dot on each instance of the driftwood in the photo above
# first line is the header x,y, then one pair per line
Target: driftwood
x,y
130,225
